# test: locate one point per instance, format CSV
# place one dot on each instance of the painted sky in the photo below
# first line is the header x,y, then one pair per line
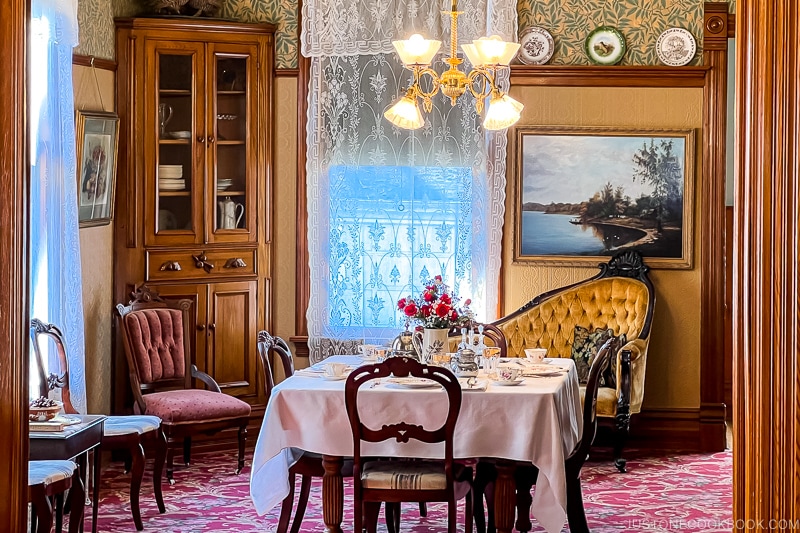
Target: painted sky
x,y
571,168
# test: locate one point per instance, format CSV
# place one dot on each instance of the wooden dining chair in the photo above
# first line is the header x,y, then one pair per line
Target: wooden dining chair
x,y
156,338
49,480
526,475
395,481
130,433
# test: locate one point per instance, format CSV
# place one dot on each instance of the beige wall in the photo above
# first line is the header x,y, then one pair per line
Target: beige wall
x,y
97,249
673,361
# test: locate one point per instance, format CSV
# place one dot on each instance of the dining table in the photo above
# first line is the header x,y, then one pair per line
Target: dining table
x,y
536,419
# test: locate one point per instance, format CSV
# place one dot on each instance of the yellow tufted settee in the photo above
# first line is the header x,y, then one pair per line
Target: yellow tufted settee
x,y
619,297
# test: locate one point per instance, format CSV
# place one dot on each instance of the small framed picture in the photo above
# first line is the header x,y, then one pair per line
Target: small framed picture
x,y
97,137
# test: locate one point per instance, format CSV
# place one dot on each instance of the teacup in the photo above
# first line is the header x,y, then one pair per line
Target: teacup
x,y
368,350
506,373
535,354
334,370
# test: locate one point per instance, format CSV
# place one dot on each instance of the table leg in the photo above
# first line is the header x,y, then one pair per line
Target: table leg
x,y
504,497
95,487
332,494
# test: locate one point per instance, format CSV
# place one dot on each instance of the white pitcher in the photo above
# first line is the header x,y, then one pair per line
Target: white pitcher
x,y
430,341
230,213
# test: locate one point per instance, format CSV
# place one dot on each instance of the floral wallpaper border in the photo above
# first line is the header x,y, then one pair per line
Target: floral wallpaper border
x,y
640,21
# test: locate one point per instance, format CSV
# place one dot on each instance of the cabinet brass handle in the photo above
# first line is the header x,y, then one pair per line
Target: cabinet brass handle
x,y
201,261
170,266
212,327
235,262
211,139
201,139
201,327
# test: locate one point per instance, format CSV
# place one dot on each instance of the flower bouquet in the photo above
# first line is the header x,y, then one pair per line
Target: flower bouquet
x,y
436,311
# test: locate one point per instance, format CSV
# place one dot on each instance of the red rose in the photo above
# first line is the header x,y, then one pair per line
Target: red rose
x,y
426,310
442,310
418,328
428,296
467,301
437,278
411,309
401,303
445,298
454,315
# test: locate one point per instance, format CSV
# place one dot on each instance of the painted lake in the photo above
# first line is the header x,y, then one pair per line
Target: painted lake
x,y
551,234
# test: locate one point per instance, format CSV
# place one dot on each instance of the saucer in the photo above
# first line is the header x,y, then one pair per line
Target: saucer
x,y
508,383
412,383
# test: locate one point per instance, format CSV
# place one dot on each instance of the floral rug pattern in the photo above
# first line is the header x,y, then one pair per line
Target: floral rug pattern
x,y
661,494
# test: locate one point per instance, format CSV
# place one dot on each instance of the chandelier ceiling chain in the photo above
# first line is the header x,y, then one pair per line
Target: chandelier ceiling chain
x,y
488,56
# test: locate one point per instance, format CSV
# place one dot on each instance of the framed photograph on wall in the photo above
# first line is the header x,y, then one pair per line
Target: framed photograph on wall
x,y
583,194
97,137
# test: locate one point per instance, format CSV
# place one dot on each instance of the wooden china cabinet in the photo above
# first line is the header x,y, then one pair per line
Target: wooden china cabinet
x,y
194,186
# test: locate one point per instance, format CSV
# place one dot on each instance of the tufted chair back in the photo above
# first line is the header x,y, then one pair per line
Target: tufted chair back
x,y
155,333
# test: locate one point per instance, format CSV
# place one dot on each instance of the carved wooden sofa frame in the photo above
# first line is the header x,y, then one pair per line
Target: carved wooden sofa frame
x,y
624,292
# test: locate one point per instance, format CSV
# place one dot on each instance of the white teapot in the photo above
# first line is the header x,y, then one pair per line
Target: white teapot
x,y
230,213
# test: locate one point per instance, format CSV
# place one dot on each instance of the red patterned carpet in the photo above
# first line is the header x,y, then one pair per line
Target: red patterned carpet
x,y
676,493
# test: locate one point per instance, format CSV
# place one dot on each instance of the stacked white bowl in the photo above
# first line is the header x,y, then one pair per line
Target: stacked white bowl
x,y
170,178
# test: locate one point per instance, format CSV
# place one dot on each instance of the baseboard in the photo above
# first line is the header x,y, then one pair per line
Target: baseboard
x,y
676,429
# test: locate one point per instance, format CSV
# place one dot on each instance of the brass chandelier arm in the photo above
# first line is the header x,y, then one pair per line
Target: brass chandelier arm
x,y
487,86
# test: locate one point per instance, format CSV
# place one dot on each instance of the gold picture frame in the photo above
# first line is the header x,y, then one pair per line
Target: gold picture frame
x,y
582,194
97,140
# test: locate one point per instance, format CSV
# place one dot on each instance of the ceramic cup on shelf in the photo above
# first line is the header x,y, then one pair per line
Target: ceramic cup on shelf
x,y
535,354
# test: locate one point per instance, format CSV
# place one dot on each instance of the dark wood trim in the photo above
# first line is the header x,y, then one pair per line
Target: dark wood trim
x,y
98,62
667,430
766,388
729,259
731,25
712,229
14,164
593,76
302,273
193,24
300,345
287,72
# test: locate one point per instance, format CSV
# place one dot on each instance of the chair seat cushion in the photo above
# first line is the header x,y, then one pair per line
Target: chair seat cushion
x,y
606,400
194,405
125,425
47,472
403,475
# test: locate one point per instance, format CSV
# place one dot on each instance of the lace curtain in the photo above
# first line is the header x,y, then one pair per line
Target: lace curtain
x,y
390,208
56,295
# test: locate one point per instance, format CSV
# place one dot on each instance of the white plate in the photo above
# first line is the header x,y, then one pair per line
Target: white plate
x,y
411,383
676,47
551,374
507,383
180,134
536,46
333,378
605,45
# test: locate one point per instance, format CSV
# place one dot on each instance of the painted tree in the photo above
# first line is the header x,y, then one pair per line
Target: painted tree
x,y
658,166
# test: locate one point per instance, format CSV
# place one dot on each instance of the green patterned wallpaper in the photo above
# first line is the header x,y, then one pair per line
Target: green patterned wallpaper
x,y
640,21
280,12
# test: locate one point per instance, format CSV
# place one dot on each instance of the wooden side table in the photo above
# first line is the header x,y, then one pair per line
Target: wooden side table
x,y
74,442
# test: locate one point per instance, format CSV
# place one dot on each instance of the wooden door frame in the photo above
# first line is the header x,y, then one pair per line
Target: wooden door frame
x,y
14,17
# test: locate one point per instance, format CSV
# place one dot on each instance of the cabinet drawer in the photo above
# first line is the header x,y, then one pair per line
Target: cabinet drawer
x,y
200,264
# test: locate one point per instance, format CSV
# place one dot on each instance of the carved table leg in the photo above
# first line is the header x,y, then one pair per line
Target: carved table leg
x,y
332,493
504,497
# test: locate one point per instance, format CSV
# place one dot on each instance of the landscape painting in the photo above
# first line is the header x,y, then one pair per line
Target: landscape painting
x,y
582,194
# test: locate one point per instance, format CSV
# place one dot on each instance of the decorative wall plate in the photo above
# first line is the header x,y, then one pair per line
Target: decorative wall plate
x,y
676,47
605,45
536,46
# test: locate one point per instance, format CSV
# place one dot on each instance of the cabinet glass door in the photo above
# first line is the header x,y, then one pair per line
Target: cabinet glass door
x,y
177,159
232,144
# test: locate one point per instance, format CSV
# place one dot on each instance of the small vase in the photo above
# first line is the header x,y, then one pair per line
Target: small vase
x,y
429,342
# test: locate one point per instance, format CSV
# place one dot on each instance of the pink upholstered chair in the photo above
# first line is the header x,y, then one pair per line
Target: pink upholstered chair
x,y
156,337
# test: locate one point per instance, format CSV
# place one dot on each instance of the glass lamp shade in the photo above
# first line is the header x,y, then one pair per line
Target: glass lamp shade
x,y
405,114
416,50
503,112
490,51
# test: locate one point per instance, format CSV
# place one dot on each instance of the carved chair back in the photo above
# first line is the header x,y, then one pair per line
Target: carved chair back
x,y
54,380
267,345
402,367
599,364
493,336
156,338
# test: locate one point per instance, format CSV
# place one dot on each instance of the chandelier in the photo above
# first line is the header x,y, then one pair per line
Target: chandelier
x,y
488,55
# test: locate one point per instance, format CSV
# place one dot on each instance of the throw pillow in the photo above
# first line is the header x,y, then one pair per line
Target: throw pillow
x,y
585,345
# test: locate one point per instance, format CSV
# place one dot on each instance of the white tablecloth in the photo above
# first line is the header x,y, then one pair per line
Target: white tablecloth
x,y
537,421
